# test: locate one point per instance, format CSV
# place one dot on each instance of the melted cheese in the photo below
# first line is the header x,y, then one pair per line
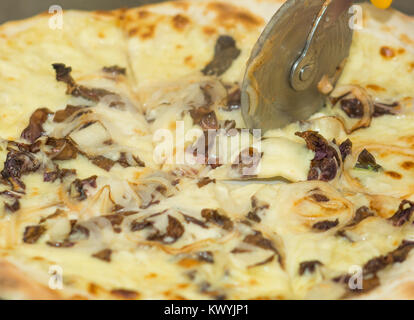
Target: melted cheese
x,y
183,235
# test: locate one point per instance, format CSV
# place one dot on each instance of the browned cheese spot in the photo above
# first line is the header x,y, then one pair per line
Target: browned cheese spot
x,y
375,87
184,5
180,21
394,175
142,14
387,52
230,16
407,165
209,31
125,294
401,51
145,32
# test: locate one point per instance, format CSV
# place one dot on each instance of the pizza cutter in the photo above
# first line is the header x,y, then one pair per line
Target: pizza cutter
x,y
305,41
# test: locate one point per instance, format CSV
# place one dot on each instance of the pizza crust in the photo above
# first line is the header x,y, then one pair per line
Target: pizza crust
x,y
128,38
15,284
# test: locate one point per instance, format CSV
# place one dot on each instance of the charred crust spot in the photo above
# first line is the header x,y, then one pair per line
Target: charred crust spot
x,y
132,32
309,266
225,53
387,52
104,255
188,60
125,294
143,14
213,216
393,174
229,15
325,225
33,233
105,13
180,21
145,32
407,165
375,87
209,31
401,51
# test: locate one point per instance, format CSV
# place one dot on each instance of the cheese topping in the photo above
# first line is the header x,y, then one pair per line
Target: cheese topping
x,y
126,161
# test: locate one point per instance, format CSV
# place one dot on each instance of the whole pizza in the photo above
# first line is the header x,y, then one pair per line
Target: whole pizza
x,y
127,171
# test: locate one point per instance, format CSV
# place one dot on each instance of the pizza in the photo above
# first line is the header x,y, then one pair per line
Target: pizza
x,y
127,171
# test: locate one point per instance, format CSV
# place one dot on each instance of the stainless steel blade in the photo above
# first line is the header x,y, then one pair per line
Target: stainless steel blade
x,y
305,40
